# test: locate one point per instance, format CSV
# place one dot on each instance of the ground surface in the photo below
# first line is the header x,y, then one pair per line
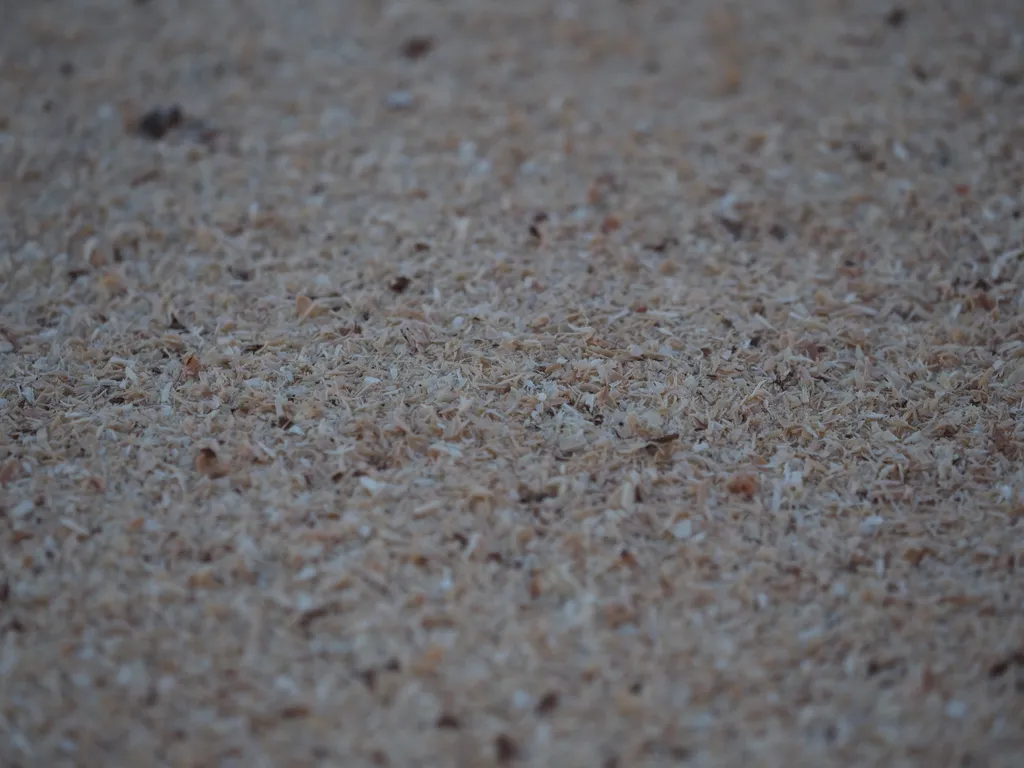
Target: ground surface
x,y
545,383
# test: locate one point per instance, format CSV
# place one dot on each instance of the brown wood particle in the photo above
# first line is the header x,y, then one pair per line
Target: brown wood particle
x,y
306,308
430,660
417,47
295,711
743,484
601,189
10,471
448,721
1004,442
610,224
1003,666
723,29
506,751
191,367
617,614
399,284
548,703
208,463
202,578
536,586
915,555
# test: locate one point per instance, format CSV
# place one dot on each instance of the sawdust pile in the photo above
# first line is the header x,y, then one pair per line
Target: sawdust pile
x,y
564,384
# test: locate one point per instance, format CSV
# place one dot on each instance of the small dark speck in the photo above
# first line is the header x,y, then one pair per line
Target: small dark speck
x,y
778,232
663,245
896,18
1000,668
448,722
400,284
369,678
156,123
676,752
505,749
733,227
535,226
67,69
417,47
679,753
295,712
1010,79
548,703
863,152
943,154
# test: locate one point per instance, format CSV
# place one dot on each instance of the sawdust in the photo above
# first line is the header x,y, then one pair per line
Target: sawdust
x,y
606,383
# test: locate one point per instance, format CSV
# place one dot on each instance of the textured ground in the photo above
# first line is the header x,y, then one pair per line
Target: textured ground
x,y
492,383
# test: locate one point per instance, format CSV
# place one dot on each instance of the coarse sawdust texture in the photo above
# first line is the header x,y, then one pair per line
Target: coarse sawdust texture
x,y
533,383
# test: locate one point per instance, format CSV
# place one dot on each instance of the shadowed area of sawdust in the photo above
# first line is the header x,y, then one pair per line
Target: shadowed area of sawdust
x,y
529,383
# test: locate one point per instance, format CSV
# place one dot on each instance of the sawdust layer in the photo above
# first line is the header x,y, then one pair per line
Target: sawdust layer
x,y
558,384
